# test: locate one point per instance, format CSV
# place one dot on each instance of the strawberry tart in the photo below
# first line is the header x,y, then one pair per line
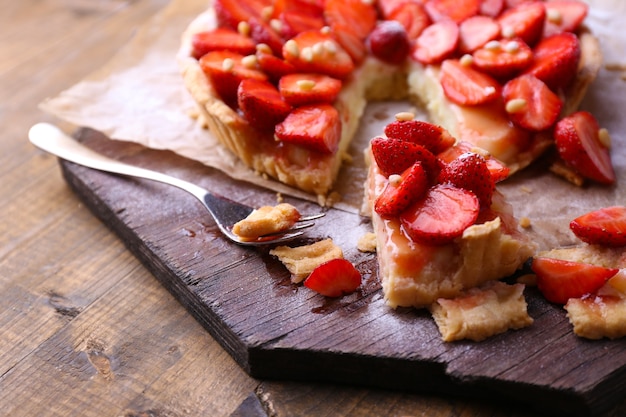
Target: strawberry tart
x,y
283,83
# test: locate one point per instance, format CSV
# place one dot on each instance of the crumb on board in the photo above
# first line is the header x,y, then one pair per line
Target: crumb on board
x,y
302,260
367,242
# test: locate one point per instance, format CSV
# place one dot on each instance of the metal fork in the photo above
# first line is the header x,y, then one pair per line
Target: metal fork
x,y
225,212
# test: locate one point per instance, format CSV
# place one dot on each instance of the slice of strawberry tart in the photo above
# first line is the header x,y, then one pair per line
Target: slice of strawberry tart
x,y
283,83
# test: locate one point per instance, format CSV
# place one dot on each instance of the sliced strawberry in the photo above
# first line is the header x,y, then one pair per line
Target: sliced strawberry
x,y
231,12
312,8
316,127
530,103
476,32
466,86
262,32
437,42
441,215
433,137
226,70
413,17
389,42
556,60
470,172
491,8
350,42
564,16
498,170
294,22
454,10
559,280
618,281
386,7
358,15
503,59
300,89
402,191
261,104
578,143
273,66
524,21
393,156
221,39
314,51
334,278
606,226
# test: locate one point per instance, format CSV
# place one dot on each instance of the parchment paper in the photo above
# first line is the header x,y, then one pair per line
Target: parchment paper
x,y
139,96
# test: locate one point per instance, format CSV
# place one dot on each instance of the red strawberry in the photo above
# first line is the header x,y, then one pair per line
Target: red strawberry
x,y
413,17
470,172
578,143
226,70
294,22
503,59
402,192
261,104
300,89
530,103
273,66
466,86
441,215
477,31
389,42
524,21
437,42
334,278
491,8
350,42
564,16
434,138
231,12
393,156
314,51
559,280
556,60
454,10
312,8
316,127
606,226
262,32
358,15
221,39
498,170
386,7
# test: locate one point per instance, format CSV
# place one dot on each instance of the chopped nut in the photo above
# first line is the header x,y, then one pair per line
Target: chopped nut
x,y
524,222
553,15
305,85
292,47
605,137
467,60
264,48
493,45
405,116
228,64
249,61
508,32
511,47
515,105
307,54
243,28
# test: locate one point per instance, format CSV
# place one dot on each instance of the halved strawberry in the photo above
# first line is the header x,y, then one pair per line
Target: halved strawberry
x,y
312,8
393,156
389,42
618,281
300,88
498,170
261,104
350,42
470,172
412,16
466,86
221,39
316,127
226,70
273,66
454,10
491,8
436,43
334,278
556,60
263,33
401,192
231,12
433,137
503,59
386,7
564,16
524,21
606,226
559,280
530,103
313,51
360,16
441,215
294,22
578,143
476,32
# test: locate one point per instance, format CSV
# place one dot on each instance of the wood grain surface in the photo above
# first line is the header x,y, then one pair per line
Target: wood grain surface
x,y
85,328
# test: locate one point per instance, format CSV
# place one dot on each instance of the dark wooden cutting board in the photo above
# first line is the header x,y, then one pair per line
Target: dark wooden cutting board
x,y
277,330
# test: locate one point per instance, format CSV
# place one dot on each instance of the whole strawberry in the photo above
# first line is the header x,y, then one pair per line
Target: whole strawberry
x,y
470,172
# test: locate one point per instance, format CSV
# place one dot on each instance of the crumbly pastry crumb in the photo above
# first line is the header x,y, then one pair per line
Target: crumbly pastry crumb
x,y
367,242
482,312
598,316
267,220
302,260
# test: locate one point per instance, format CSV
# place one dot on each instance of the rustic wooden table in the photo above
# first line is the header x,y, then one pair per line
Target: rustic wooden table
x,y
85,329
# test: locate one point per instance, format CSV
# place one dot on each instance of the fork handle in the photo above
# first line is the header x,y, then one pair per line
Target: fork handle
x,y
51,139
